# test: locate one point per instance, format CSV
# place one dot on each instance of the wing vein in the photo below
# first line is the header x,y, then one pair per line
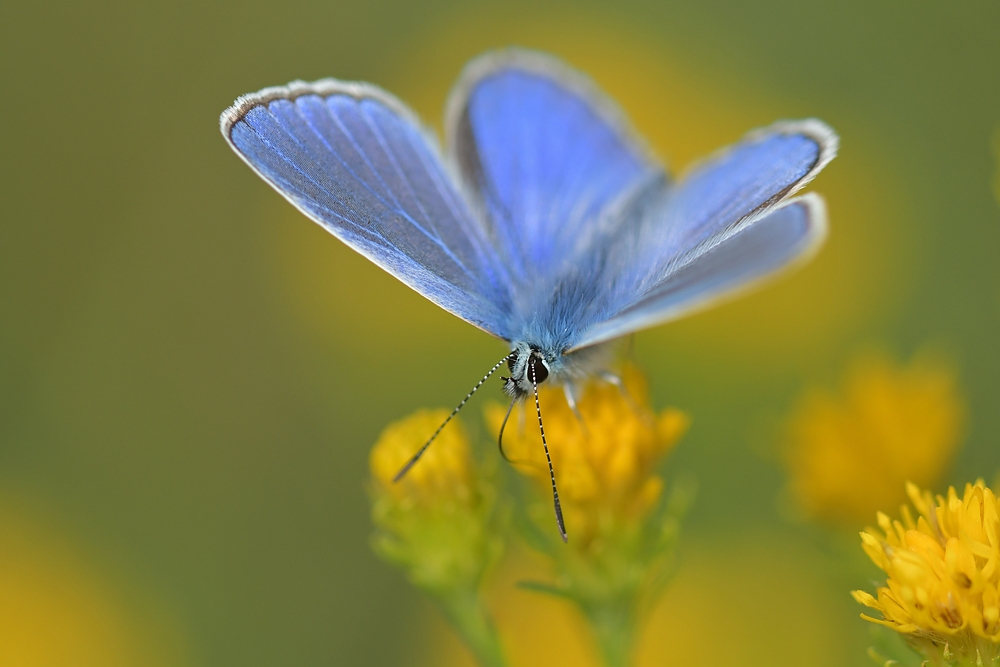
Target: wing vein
x,y
402,175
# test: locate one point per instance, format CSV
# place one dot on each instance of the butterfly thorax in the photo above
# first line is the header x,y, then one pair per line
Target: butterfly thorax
x,y
530,361
528,366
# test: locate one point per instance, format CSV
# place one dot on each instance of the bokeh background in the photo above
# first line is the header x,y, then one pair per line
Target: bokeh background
x,y
191,373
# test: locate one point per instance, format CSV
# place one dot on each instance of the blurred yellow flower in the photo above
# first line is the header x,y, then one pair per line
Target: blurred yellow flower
x,y
437,521
439,524
606,464
850,455
56,608
943,568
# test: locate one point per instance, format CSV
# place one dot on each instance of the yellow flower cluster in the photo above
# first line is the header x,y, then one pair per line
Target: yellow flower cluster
x,y
943,568
440,524
605,464
851,455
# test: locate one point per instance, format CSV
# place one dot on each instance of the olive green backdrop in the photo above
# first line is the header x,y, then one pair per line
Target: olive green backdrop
x,y
191,373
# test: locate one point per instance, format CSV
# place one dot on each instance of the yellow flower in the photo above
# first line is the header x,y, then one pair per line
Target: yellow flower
x,y
605,466
850,455
943,568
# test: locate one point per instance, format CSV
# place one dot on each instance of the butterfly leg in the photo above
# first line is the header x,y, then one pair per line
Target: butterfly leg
x,y
611,378
571,400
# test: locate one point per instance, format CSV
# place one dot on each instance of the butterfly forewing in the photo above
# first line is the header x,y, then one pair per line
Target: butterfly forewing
x,y
354,160
545,155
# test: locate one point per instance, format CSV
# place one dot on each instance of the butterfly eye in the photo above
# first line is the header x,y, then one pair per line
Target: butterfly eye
x,y
538,370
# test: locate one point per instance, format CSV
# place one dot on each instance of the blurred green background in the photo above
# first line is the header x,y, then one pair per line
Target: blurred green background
x,y
191,373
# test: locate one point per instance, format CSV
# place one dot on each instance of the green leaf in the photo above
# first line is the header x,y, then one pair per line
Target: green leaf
x,y
549,589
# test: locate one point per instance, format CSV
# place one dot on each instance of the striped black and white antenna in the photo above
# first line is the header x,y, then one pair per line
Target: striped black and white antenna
x,y
548,459
420,452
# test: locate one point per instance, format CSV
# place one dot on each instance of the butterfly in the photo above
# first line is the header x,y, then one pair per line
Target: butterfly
x,y
545,221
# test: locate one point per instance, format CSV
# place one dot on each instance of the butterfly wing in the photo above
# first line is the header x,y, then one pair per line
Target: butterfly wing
x,y
355,160
787,236
543,154
714,234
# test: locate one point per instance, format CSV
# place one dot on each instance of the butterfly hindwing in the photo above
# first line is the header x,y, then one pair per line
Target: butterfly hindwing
x,y
785,236
744,180
725,195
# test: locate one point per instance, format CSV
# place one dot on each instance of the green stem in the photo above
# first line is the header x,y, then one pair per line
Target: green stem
x,y
614,631
473,623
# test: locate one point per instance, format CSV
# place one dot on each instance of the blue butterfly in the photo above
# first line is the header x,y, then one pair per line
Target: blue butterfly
x,y
546,221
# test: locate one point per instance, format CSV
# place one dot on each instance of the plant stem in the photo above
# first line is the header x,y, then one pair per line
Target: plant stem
x,y
473,623
614,631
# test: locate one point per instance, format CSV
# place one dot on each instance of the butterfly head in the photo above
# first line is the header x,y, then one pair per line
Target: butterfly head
x,y
527,366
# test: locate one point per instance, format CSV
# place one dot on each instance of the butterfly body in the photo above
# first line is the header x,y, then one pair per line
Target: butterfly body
x,y
546,221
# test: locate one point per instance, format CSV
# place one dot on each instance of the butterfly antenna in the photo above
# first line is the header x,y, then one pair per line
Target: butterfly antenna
x,y
420,452
503,426
548,459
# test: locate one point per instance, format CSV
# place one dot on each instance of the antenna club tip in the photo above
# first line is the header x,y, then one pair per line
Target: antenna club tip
x,y
560,523
406,468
